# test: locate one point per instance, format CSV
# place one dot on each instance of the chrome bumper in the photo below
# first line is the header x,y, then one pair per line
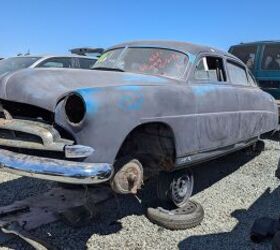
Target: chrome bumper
x,y
53,169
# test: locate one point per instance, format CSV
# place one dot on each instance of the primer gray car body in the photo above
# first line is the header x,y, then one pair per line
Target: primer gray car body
x,y
207,118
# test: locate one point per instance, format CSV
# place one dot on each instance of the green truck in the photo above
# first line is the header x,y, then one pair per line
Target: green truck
x,y
263,59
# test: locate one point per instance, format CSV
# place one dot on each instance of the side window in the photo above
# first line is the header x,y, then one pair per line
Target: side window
x,y
271,57
237,73
246,54
210,69
56,62
86,63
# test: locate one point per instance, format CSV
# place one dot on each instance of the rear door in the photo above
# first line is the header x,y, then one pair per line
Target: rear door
x,y
216,104
251,101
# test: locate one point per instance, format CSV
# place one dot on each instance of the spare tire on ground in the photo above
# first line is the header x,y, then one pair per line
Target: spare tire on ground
x,y
177,219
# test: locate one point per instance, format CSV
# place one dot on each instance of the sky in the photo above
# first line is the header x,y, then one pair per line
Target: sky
x,y
55,26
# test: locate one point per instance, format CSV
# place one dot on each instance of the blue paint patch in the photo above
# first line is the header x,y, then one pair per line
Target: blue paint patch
x,y
91,102
203,89
192,57
128,102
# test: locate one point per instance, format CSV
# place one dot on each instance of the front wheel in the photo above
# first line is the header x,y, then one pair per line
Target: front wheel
x,y
176,187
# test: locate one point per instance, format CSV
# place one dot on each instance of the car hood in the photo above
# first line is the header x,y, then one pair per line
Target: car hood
x,y
44,87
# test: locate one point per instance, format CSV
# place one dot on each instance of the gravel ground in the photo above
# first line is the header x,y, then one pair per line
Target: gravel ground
x,y
234,190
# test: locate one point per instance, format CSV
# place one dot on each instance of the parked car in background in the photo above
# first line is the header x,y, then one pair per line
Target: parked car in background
x,y
12,64
263,59
87,51
146,108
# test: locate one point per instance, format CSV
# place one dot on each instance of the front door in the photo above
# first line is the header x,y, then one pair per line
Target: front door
x,y
216,105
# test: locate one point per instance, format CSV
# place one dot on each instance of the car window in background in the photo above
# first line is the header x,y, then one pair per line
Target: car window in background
x,y
16,63
86,63
56,62
246,54
152,61
271,57
237,73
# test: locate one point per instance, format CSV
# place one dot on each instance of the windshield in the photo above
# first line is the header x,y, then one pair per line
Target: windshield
x,y
153,61
15,63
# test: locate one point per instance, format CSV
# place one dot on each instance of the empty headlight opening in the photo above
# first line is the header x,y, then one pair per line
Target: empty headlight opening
x,y
75,109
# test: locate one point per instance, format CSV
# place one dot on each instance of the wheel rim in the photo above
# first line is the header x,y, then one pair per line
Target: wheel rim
x,y
182,188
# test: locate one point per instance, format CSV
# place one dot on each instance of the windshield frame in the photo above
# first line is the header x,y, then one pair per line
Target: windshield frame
x,y
148,47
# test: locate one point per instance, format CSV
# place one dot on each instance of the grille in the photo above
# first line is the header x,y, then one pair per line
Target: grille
x,y
27,111
18,135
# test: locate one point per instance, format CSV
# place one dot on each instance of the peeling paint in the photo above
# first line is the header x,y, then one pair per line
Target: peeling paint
x,y
131,102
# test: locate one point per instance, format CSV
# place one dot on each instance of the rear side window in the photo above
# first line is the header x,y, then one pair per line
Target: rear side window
x,y
86,63
237,73
271,57
246,54
210,69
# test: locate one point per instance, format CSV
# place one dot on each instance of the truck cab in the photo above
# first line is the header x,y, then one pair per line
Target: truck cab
x,y
263,59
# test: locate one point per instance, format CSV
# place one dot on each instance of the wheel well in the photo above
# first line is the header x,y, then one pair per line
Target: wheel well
x,y
153,144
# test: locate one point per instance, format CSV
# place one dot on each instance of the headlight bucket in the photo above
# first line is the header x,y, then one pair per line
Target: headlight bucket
x,y
75,108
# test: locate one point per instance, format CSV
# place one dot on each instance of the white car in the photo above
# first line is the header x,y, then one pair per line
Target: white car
x,y
21,62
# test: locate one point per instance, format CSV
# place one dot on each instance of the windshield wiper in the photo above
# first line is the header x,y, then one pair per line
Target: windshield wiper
x,y
108,69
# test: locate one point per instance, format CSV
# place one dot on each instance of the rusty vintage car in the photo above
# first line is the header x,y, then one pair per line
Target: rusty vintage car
x,y
146,107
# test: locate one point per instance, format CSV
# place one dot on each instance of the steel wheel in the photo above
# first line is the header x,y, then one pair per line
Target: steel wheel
x,y
181,188
176,187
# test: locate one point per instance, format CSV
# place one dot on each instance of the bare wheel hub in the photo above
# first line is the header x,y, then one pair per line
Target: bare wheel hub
x,y
129,178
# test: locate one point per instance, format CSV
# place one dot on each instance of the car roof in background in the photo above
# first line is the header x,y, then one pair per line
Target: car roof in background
x,y
257,43
180,46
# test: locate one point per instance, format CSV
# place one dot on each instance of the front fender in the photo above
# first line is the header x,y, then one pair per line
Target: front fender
x,y
113,112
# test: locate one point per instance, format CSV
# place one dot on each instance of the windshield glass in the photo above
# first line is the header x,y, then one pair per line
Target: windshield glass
x,y
15,63
153,61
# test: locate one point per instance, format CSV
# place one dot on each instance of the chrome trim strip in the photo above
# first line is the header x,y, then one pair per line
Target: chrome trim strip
x,y
53,169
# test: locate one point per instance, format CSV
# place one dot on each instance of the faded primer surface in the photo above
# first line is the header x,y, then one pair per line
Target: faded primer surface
x,y
203,116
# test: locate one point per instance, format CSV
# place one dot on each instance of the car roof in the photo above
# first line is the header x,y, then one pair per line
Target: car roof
x,y
176,45
257,43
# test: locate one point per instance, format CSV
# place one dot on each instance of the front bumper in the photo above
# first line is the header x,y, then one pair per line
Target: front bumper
x,y
53,169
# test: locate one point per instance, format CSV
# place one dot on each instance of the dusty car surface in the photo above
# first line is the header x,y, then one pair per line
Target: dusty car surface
x,y
147,107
